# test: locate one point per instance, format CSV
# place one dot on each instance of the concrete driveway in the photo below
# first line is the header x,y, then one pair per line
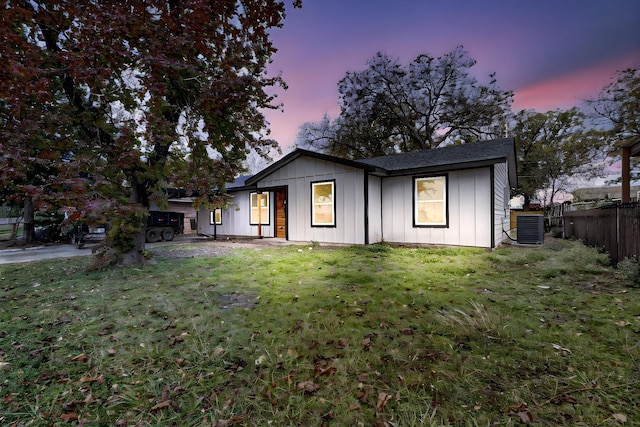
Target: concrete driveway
x,y
15,255
8,256
36,253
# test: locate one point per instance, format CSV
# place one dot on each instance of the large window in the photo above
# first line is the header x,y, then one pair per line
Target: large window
x,y
260,208
323,208
430,201
216,216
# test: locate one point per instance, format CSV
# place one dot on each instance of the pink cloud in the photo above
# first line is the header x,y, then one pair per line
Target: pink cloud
x,y
571,89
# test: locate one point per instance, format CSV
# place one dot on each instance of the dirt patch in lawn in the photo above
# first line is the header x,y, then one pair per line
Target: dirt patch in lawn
x,y
188,251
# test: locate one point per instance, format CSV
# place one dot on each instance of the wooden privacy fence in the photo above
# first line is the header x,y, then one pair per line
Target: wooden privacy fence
x,y
614,228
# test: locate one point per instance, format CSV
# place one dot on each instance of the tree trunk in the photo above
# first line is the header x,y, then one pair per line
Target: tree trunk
x,y
136,255
28,228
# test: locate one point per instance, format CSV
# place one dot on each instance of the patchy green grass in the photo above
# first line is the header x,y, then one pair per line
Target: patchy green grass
x,y
355,336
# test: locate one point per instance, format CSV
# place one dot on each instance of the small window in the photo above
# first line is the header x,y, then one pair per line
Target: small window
x,y
323,208
430,201
216,216
260,208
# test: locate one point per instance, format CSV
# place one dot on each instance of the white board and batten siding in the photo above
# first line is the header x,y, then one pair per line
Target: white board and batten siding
x,y
375,209
236,218
297,177
469,210
501,198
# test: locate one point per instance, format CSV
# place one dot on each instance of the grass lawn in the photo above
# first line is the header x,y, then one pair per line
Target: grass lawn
x,y
355,336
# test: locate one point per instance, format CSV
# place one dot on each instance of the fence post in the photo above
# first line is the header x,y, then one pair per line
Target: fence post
x,y
618,242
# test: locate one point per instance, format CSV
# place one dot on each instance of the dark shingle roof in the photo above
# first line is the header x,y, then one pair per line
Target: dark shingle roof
x,y
445,157
238,182
465,156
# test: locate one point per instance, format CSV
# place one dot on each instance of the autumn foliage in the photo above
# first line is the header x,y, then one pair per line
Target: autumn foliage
x,y
103,105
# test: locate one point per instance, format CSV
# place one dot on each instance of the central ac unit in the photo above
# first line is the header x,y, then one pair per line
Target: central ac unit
x,y
530,229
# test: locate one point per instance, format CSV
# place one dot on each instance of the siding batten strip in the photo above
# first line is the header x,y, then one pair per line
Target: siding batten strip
x,y
493,205
366,208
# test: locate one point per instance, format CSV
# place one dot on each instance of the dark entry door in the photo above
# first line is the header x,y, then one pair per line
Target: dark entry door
x,y
281,213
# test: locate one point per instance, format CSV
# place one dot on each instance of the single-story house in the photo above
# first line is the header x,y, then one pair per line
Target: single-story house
x,y
455,195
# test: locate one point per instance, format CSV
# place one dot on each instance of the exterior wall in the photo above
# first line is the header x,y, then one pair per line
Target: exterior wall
x,y
501,199
236,218
186,207
375,209
469,208
297,177
477,211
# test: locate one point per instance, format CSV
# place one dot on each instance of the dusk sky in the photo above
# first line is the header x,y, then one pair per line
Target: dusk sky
x,y
551,53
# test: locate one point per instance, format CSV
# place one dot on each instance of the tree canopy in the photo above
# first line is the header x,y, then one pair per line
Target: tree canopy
x,y
552,149
618,104
388,107
105,104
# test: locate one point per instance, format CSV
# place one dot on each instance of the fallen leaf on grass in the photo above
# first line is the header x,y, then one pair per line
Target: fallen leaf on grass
x,y
161,405
366,343
79,358
298,326
266,393
235,420
522,412
88,379
623,323
319,372
383,399
525,417
173,340
71,416
621,418
559,347
308,387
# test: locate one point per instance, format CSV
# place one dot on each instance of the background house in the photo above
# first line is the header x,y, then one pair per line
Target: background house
x,y
454,195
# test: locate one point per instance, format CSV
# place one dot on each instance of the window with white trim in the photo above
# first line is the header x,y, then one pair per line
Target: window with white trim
x,y
260,208
430,201
216,217
323,208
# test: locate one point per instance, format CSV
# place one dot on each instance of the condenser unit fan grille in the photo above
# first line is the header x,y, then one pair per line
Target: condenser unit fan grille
x,y
530,229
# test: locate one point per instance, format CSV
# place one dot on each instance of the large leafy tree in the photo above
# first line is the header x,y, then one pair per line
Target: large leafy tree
x,y
553,149
126,98
389,107
618,104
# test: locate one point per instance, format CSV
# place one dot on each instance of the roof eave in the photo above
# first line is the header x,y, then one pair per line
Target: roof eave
x,y
447,167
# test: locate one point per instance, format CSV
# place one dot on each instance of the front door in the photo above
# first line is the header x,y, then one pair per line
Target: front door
x,y
281,213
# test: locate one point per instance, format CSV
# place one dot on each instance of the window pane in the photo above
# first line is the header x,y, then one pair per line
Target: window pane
x,y
260,213
430,201
430,189
323,203
323,193
216,216
431,212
